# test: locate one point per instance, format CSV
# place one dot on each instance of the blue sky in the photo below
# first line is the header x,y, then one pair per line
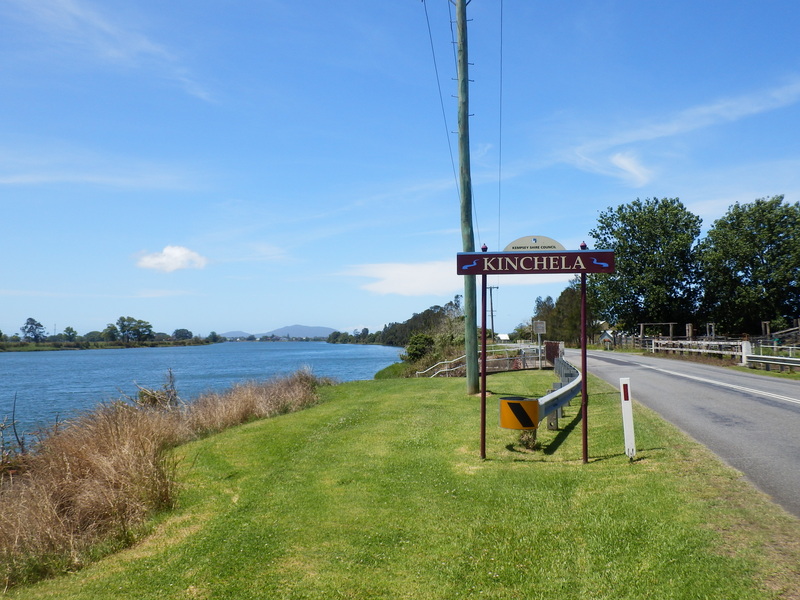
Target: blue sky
x,y
248,165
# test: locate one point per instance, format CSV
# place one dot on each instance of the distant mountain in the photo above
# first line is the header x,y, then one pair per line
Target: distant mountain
x,y
235,334
294,331
301,331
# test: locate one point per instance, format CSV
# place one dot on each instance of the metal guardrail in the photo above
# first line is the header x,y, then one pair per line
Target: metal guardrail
x,y
568,387
783,361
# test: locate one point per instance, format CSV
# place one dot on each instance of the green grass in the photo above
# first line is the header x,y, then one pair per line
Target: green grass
x,y
379,492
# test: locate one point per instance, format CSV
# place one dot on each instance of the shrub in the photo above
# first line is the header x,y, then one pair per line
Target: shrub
x,y
96,479
419,346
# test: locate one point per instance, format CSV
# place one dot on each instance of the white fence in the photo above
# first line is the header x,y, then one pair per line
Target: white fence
x,y
732,348
767,355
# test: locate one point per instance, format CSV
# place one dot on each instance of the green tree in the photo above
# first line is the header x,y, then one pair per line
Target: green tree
x,y
565,322
419,346
110,333
32,331
543,310
522,332
656,278
182,334
125,327
214,337
141,331
751,265
135,331
70,334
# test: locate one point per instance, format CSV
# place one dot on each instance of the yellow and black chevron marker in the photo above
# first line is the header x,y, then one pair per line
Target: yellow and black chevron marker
x,y
517,412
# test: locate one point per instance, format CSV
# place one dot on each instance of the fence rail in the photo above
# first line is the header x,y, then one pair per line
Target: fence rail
x,y
724,347
499,357
767,355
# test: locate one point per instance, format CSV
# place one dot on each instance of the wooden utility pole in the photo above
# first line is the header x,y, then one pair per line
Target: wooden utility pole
x,y
467,235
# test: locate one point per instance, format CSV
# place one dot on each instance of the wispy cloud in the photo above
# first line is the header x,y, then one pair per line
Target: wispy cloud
x,y
61,294
79,25
410,279
617,155
51,161
163,293
172,258
631,169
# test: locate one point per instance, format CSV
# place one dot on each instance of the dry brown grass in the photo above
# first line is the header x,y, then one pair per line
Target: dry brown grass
x,y
88,485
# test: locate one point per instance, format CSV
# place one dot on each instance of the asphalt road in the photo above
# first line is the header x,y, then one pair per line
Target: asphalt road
x,y
750,421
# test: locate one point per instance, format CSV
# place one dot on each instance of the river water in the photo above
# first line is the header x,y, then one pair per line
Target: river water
x,y
52,386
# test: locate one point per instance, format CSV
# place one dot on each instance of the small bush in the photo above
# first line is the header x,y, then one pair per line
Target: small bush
x,y
527,439
419,346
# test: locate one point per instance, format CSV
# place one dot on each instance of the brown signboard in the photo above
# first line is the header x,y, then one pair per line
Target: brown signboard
x,y
535,263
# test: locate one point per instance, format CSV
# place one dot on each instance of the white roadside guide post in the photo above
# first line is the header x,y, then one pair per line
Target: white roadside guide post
x,y
627,416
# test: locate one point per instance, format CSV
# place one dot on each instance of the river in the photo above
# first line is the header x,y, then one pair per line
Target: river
x,y
52,386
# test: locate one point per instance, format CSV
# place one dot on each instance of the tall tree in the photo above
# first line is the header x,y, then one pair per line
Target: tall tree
x,y
32,331
543,309
565,319
125,327
141,331
751,265
656,278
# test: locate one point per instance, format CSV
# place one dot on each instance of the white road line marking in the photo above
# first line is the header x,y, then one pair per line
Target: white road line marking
x,y
723,384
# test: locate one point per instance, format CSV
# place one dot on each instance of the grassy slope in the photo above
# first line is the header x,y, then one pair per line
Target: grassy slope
x,y
379,493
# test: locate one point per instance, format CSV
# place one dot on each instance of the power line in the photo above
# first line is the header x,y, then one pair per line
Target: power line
x,y
500,134
441,97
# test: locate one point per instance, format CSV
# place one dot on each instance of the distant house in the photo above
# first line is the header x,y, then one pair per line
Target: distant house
x,y
503,337
607,338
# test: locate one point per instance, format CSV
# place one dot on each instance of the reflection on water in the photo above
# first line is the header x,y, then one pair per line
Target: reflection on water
x,y
55,385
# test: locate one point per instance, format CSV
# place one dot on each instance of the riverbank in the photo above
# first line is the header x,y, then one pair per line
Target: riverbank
x,y
52,386
378,492
61,346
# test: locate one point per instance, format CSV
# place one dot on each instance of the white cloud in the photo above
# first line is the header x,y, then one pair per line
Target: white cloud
x,y
172,258
705,115
543,279
435,278
410,279
631,168
612,155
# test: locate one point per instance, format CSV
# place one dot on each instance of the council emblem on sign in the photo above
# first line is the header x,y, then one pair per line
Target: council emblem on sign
x,y
533,243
